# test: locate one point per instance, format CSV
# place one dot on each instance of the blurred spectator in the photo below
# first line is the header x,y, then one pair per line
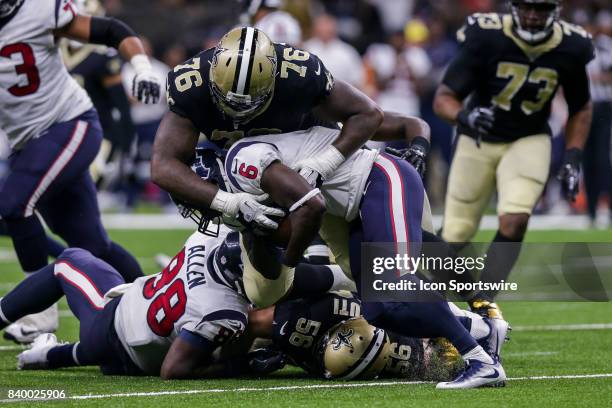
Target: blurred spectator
x,y
597,169
279,25
359,22
339,57
400,67
146,119
174,55
394,14
440,49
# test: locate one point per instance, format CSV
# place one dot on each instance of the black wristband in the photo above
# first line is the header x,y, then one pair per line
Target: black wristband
x,y
573,156
462,118
421,141
109,31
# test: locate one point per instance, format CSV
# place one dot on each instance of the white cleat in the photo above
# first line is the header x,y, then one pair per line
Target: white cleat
x,y
492,344
477,374
36,357
26,329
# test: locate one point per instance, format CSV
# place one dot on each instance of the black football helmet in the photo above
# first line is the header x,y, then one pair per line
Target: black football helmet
x,y
8,6
535,27
208,164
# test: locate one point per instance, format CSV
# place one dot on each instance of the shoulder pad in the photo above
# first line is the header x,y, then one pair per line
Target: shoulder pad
x,y
477,24
579,39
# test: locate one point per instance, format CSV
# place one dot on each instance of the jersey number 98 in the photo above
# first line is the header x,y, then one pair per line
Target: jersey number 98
x,y
168,305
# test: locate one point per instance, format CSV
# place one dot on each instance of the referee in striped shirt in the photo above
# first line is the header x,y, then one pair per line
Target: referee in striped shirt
x,y
597,166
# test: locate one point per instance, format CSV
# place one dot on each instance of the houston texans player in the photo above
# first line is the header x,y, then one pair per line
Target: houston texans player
x,y
166,324
54,132
381,197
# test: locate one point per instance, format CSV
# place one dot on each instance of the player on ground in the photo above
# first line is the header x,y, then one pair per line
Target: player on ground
x,y
167,324
511,66
246,86
298,327
54,132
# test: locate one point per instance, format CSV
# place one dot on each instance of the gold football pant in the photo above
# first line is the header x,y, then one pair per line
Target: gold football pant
x,y
519,169
261,291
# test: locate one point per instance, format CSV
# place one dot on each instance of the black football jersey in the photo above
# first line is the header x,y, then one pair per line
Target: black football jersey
x,y
300,324
407,357
89,66
496,69
302,82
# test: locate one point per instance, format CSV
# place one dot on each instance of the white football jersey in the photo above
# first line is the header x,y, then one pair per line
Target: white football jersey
x,y
36,90
191,294
246,161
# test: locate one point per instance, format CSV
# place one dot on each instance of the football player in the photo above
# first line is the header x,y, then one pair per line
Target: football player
x,y
98,69
301,330
54,132
246,86
166,324
381,196
511,66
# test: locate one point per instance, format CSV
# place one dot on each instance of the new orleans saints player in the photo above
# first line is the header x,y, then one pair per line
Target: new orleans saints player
x,y
247,86
511,66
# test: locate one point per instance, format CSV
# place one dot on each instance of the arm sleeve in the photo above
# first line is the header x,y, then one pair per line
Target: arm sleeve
x,y
245,163
109,31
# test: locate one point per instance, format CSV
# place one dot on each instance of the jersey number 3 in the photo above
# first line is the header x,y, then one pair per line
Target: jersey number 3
x,y
169,300
27,68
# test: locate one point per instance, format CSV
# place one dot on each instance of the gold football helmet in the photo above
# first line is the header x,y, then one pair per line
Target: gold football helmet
x,y
354,349
242,73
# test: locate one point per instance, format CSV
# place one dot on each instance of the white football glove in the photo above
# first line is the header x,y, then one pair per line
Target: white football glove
x,y
146,85
321,166
245,207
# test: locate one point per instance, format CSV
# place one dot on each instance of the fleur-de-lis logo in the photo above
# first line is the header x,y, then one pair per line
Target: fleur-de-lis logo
x,y
343,338
218,51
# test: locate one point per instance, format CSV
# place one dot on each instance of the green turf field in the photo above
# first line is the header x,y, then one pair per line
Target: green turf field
x,y
548,366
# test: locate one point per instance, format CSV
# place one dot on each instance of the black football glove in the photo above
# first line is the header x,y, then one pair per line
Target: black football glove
x,y
569,175
264,361
479,119
416,154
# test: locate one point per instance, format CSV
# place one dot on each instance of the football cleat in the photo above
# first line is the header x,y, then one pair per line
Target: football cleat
x,y
26,329
477,374
36,357
492,343
485,308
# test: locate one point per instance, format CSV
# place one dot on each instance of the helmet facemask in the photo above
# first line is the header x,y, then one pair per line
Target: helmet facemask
x,y
534,19
242,73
